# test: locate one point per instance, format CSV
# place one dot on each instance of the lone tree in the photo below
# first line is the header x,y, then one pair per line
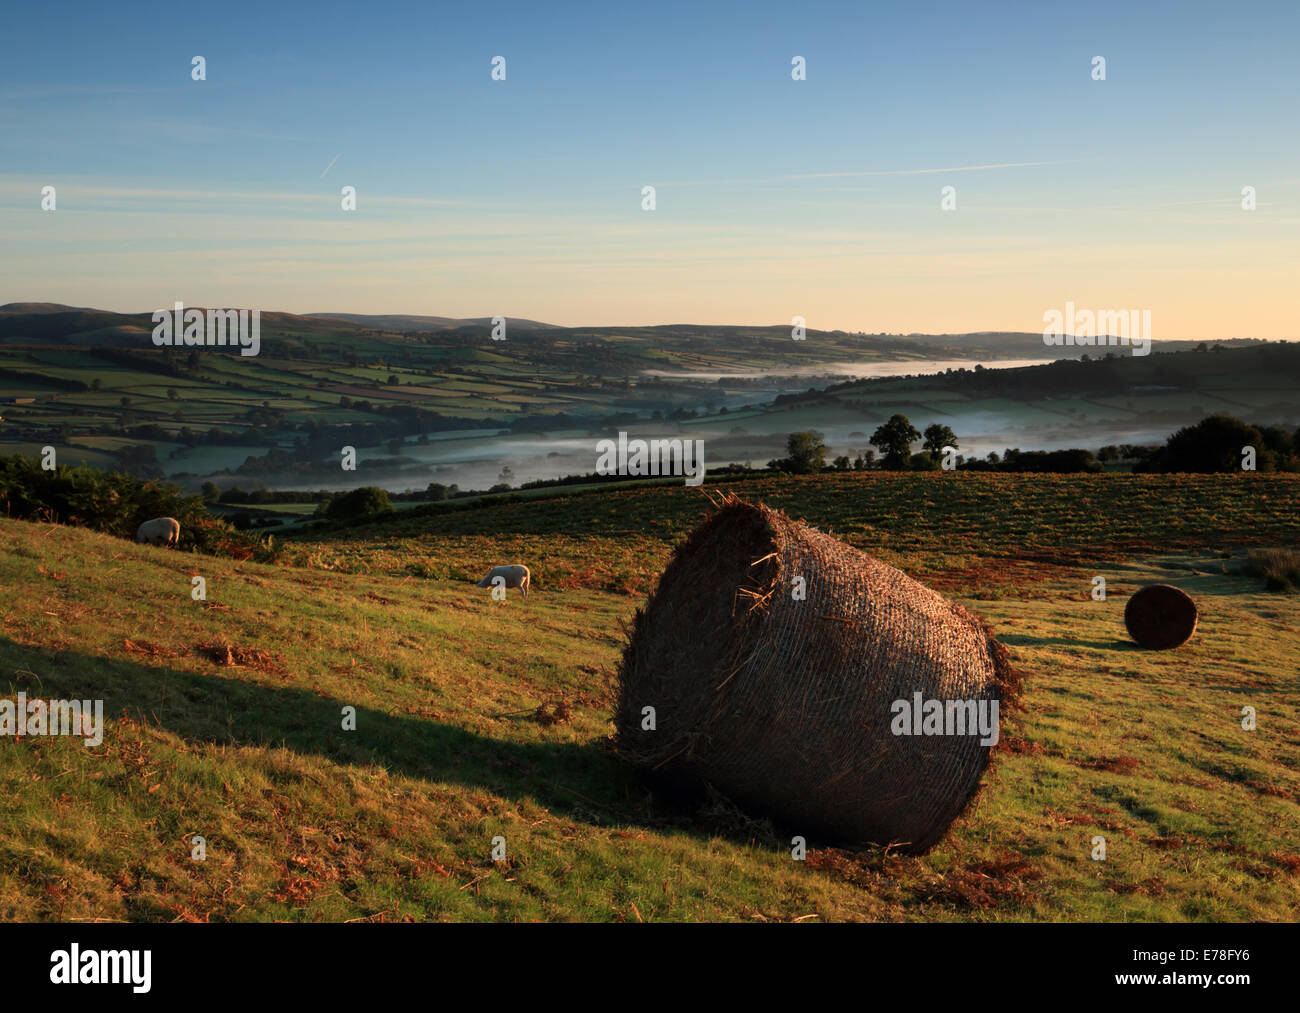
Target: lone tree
x,y
895,439
368,501
937,437
806,453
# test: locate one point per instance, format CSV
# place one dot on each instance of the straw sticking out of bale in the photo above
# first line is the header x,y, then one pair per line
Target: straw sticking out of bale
x,y
786,705
1160,617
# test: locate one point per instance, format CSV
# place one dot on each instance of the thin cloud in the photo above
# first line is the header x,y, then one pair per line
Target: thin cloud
x,y
220,199
799,177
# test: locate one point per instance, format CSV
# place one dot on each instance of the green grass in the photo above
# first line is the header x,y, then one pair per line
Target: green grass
x,y
1279,567
305,821
619,539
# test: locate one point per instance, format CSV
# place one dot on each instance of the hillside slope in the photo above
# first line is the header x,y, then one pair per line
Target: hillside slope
x,y
477,719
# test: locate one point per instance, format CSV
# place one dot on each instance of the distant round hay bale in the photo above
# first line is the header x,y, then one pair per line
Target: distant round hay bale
x,y
1160,616
788,706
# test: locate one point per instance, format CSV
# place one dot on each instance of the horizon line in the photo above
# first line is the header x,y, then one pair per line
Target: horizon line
x,y
471,320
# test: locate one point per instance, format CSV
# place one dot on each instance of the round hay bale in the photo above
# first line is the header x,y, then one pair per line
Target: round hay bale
x,y
789,707
1160,617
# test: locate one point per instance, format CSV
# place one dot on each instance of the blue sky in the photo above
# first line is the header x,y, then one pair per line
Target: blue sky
x,y
775,198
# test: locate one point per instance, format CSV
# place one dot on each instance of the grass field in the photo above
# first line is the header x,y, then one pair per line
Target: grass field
x,y
478,719
618,539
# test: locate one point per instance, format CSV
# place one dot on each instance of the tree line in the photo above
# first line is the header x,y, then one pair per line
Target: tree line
x,y
1218,443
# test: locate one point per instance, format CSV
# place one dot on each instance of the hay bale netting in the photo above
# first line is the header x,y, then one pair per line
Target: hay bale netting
x,y
786,706
1160,616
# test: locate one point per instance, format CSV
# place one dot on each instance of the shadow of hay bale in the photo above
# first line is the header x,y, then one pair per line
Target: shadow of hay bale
x,y
1160,617
788,706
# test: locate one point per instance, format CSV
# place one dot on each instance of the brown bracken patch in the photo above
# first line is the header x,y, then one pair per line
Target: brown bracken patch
x,y
1113,764
553,714
1020,747
860,869
994,882
234,656
152,650
1268,789
1153,887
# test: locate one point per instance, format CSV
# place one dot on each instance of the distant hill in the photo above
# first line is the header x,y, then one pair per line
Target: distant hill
x,y
404,322
42,307
50,323
1029,344
56,324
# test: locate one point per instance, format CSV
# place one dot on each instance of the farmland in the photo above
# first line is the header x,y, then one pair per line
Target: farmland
x,y
92,386
478,719
454,406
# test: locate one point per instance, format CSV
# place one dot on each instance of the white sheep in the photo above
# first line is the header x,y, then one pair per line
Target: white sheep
x,y
513,575
160,531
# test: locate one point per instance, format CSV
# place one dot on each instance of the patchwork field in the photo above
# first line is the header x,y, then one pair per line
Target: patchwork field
x,y
318,385
477,719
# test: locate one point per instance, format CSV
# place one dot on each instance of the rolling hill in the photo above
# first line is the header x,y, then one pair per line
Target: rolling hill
x,y
403,322
477,720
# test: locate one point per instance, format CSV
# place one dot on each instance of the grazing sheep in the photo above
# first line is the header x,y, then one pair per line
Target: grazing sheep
x,y
514,576
160,531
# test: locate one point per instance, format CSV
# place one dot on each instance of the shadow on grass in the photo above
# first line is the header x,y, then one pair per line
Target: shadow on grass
x,y
567,778
1024,640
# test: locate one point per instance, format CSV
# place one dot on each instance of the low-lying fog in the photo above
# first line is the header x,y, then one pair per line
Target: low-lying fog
x,y
479,459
